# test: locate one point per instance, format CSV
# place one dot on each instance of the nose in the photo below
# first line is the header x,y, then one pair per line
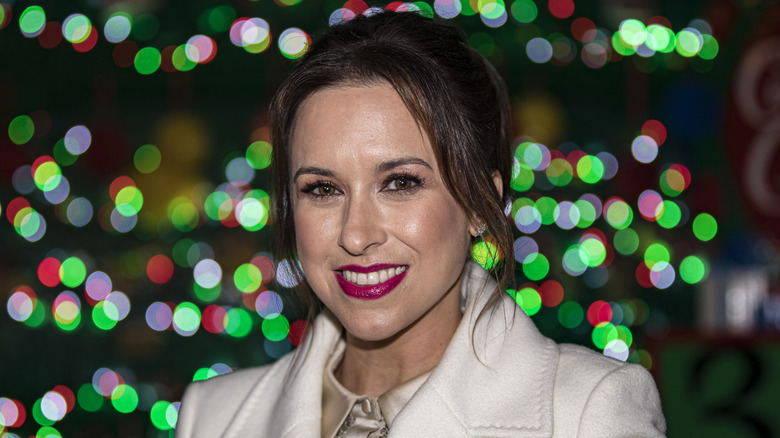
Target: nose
x,y
362,226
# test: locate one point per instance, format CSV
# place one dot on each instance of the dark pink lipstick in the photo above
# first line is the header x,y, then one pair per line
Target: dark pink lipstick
x,y
373,291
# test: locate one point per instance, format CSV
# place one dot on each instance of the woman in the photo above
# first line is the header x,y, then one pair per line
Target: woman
x,y
391,155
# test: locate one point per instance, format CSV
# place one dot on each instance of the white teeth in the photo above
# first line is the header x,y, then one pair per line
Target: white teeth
x,y
372,278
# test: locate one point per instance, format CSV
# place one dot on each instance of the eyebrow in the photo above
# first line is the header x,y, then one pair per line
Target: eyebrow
x,y
311,170
387,165
380,168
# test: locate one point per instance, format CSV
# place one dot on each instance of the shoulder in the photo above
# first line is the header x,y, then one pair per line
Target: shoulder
x,y
208,406
597,393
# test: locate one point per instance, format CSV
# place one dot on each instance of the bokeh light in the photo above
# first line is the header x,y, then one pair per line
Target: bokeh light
x,y
294,42
118,27
32,21
183,198
21,129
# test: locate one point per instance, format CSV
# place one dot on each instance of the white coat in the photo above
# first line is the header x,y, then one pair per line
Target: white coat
x,y
521,385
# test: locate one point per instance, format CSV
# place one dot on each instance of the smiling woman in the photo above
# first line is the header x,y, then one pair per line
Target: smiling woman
x,y
391,156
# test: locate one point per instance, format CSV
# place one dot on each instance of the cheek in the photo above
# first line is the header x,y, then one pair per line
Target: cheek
x,y
436,227
311,233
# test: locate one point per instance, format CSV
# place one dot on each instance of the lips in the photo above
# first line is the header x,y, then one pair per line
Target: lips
x,y
371,282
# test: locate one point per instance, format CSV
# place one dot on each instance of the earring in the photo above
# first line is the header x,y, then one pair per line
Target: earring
x,y
481,228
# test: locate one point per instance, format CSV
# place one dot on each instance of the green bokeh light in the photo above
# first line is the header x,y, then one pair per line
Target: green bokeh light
x,y
276,329
147,60
588,213
626,241
575,259
632,33
129,201
536,266
595,251
88,398
546,207
238,323
69,326
187,317
524,11
32,20
207,295
657,252
38,414
38,315
258,154
485,253
48,176
180,59
710,48
21,129
248,278
693,269
671,215
620,47
590,169
523,179
48,432
100,317
705,227
62,155
603,334
559,172
529,300
660,38
183,214
619,215
73,272
158,415
180,251
570,314
77,29
124,398
147,158
689,43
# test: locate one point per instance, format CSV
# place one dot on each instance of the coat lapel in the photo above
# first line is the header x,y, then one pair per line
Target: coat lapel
x,y
505,391
295,391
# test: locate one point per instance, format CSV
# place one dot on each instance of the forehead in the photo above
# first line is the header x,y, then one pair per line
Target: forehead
x,y
347,122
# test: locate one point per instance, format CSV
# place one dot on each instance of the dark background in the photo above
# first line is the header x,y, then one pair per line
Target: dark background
x,y
712,346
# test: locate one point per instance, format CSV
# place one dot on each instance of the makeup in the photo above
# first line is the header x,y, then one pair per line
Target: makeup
x,y
374,285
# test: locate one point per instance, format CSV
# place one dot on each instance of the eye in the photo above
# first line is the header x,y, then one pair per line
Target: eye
x,y
402,182
324,190
320,189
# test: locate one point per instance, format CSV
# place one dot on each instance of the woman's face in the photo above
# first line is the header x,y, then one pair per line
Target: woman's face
x,y
381,240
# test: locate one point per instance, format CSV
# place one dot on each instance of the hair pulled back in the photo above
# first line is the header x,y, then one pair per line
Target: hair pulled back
x,y
454,94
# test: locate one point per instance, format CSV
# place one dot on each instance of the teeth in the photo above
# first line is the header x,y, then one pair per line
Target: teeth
x,y
372,278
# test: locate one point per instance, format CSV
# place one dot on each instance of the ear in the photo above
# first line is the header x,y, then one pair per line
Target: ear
x,y
499,184
476,223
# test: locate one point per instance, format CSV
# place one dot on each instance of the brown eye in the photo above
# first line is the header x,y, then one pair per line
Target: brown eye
x,y
401,183
325,190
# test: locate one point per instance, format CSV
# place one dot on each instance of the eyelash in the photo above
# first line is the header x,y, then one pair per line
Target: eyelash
x,y
417,182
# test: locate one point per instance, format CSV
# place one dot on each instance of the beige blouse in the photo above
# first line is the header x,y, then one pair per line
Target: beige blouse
x,y
348,415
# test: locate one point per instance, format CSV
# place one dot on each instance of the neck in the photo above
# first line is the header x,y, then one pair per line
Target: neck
x,y
374,367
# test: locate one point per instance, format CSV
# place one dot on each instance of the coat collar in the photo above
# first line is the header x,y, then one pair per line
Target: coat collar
x,y
503,390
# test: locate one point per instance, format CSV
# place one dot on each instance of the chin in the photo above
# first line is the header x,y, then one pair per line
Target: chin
x,y
371,328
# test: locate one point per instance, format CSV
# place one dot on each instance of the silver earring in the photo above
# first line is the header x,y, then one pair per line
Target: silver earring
x,y
481,228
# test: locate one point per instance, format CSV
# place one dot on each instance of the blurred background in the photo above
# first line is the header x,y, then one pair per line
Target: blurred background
x,y
134,191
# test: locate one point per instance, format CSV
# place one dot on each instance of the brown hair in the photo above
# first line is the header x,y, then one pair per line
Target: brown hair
x,y
455,95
